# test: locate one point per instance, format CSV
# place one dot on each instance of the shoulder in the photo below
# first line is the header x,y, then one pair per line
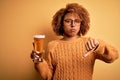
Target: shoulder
x,y
52,44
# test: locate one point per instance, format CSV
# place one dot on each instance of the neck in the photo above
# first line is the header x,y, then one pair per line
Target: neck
x,y
66,38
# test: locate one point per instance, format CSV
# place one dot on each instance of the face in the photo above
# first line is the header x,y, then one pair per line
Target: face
x,y
71,24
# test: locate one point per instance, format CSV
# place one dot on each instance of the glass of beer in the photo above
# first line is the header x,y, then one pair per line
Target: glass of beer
x,y
39,43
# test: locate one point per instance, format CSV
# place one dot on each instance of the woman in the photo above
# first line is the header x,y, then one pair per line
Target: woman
x,y
73,56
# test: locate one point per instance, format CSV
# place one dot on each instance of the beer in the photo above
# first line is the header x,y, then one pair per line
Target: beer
x,y
39,42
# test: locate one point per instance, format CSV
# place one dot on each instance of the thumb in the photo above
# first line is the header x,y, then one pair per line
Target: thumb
x,y
33,45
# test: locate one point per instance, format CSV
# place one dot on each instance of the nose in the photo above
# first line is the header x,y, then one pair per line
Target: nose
x,y
72,24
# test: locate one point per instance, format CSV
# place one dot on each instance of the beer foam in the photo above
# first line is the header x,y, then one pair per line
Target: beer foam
x,y
39,36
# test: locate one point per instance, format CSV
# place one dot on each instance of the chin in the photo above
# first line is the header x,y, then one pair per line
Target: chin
x,y
72,35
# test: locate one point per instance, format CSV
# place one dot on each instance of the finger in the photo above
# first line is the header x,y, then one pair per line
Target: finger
x,y
36,56
32,54
33,44
89,45
96,42
37,52
86,45
92,43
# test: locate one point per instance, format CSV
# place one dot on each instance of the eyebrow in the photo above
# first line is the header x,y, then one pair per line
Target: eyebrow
x,y
71,19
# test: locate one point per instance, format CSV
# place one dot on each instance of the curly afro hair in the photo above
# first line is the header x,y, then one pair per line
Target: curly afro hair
x,y
57,22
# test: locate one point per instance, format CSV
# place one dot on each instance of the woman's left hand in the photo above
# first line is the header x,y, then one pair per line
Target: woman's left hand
x,y
92,44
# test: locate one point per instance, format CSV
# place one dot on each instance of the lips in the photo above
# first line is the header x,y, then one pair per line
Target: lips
x,y
73,30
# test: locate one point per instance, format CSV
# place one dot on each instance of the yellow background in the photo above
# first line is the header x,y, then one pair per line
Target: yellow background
x,y
21,19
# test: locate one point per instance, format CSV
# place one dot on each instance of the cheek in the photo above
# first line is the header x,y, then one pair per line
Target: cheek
x,y
77,28
65,28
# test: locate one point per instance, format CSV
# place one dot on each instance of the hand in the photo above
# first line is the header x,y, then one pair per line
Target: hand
x,y
36,54
92,44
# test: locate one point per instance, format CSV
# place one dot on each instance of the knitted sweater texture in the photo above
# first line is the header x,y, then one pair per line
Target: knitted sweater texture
x,y
66,62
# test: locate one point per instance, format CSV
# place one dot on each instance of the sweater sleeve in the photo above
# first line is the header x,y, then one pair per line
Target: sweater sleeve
x,y
106,52
44,69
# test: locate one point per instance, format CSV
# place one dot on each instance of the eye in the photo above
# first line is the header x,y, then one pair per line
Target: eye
x,y
67,21
77,21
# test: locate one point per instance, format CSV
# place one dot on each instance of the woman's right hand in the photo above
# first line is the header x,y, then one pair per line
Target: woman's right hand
x,y
36,54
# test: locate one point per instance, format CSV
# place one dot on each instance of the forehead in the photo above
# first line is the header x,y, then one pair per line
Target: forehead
x,y
72,16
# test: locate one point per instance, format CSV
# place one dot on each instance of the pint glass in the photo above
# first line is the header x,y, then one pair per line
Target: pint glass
x,y
39,42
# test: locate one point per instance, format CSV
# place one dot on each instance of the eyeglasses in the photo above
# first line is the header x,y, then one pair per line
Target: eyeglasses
x,y
70,21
